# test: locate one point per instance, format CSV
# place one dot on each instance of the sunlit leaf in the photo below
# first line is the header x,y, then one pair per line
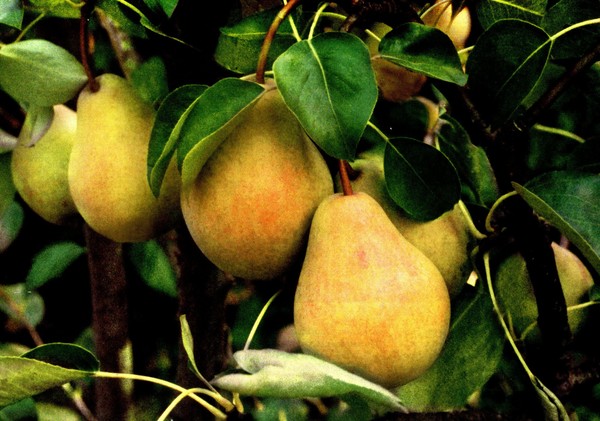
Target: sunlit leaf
x,y
51,262
569,201
11,13
490,11
329,85
210,120
164,138
278,374
154,266
470,357
39,72
425,50
504,66
420,179
69,9
239,44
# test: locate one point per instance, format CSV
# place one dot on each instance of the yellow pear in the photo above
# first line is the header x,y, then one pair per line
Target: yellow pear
x,y
458,28
368,300
518,300
108,165
39,172
446,241
250,207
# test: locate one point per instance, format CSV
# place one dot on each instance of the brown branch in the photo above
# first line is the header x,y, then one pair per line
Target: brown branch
x,y
84,43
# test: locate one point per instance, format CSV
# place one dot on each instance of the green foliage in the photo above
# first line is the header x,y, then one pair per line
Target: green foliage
x,y
51,262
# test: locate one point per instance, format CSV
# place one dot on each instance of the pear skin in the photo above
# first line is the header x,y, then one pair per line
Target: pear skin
x,y
368,300
249,209
40,171
516,293
446,241
458,27
108,165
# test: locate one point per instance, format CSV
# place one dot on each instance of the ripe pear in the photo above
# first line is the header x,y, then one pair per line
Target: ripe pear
x,y
518,300
458,28
39,171
250,207
446,241
108,165
367,299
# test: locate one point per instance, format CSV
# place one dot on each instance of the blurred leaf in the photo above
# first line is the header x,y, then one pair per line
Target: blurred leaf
x,y
37,122
280,374
52,412
420,179
154,267
67,9
51,262
505,65
353,408
150,79
164,139
11,13
477,177
569,201
69,356
491,11
23,410
166,6
25,377
11,222
329,84
21,305
280,409
39,72
12,349
425,50
468,360
565,13
7,187
239,44
211,118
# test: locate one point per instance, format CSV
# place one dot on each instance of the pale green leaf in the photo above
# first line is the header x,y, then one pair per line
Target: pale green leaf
x,y
51,262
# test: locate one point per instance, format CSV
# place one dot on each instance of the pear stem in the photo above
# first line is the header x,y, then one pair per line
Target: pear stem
x,y
84,19
344,178
264,52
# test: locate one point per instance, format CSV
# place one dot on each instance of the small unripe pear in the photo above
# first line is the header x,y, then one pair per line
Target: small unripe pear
x,y
39,171
518,300
250,207
368,300
446,241
108,165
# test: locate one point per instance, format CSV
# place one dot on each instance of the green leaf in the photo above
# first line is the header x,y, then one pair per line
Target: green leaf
x,y
490,11
166,130
11,13
37,122
23,377
11,221
65,355
330,86
7,186
279,374
22,305
25,409
39,72
239,45
504,66
569,201
419,178
154,267
425,50
150,79
51,262
166,6
478,181
470,357
579,41
281,409
212,117
67,9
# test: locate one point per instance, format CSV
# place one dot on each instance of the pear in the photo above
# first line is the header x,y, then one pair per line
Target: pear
x,y
446,241
367,299
108,165
39,171
518,300
457,27
250,207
